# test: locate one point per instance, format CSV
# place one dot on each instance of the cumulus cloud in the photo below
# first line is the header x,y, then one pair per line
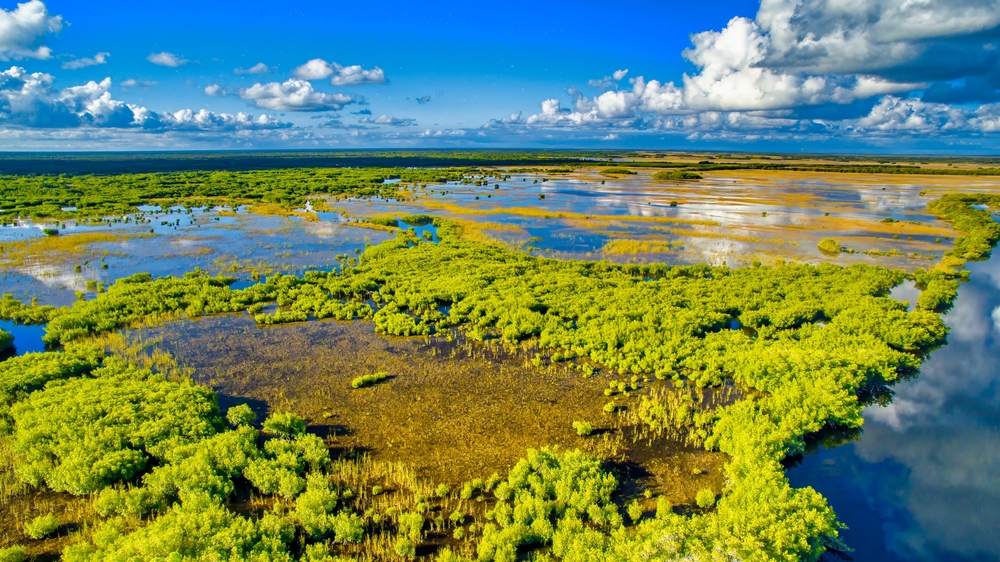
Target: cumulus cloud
x,y
843,37
214,90
167,59
733,75
23,28
354,75
797,60
75,64
204,120
294,95
389,120
259,68
911,115
29,100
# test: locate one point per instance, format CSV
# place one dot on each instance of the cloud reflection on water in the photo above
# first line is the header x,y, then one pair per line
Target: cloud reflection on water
x,y
923,483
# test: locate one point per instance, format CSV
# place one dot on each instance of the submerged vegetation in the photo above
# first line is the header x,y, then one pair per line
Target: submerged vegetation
x,y
165,472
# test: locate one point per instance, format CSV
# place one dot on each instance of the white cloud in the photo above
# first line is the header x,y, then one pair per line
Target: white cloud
x,y
204,120
511,120
75,64
315,69
22,29
28,100
911,115
389,120
608,81
133,83
734,78
167,59
996,319
428,133
354,75
214,90
862,37
293,95
795,54
259,68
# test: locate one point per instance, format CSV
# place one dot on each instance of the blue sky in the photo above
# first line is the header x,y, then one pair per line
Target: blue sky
x,y
813,75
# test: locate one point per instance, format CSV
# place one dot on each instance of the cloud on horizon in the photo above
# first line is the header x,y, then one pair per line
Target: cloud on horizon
x,y
29,100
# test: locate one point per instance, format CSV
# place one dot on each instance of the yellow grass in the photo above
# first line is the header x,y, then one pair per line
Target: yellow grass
x,y
627,247
275,209
55,250
534,212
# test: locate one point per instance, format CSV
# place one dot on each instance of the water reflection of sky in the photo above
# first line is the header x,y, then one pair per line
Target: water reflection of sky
x,y
759,217
923,482
204,239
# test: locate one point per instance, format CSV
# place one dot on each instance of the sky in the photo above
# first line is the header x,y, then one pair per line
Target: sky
x,y
876,76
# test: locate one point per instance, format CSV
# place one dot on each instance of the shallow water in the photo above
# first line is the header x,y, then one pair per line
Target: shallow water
x,y
27,339
923,480
242,246
767,216
451,410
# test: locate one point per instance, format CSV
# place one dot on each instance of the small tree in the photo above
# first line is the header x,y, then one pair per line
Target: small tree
x,y
240,415
285,424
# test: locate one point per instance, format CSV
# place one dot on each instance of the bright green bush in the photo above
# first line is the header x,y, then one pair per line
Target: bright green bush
x,y
369,380
676,175
42,526
583,428
829,246
548,491
83,434
198,529
239,415
6,340
705,498
13,554
205,468
284,424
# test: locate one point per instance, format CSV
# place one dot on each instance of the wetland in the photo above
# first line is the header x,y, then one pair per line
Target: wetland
x,y
527,360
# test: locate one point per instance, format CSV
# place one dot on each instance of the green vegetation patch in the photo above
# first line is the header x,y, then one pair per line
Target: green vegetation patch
x,y
617,171
6,340
829,246
676,175
88,432
103,195
369,380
